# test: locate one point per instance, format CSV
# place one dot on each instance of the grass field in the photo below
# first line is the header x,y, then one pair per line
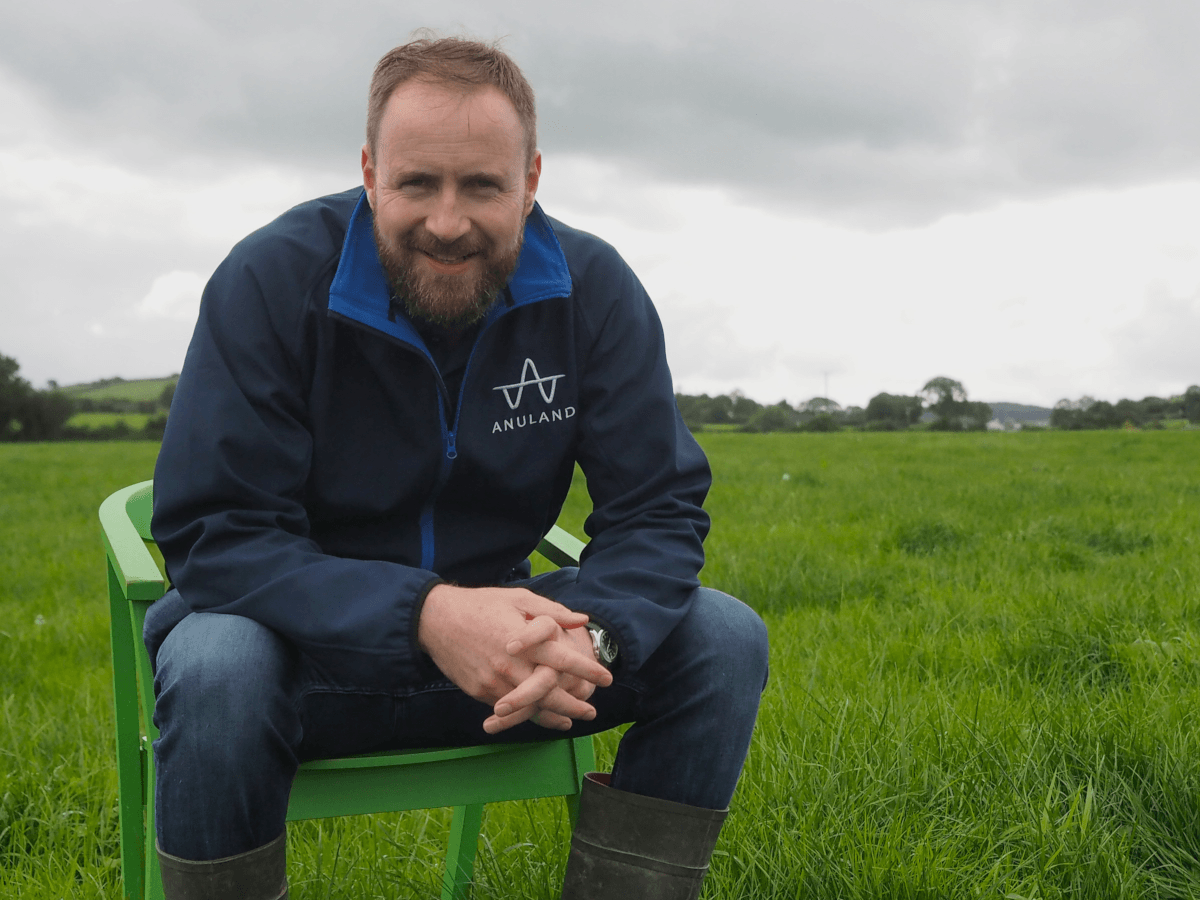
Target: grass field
x,y
94,420
139,390
985,677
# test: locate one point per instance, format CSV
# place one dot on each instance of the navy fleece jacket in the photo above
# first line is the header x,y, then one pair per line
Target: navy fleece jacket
x,y
317,477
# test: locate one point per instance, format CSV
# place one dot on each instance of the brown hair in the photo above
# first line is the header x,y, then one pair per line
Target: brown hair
x,y
455,61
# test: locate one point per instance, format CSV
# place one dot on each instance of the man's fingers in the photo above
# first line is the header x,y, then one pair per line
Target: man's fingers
x,y
535,631
560,702
562,656
543,717
579,688
529,692
495,724
533,605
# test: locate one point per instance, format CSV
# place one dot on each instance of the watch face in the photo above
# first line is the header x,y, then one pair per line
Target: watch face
x,y
605,646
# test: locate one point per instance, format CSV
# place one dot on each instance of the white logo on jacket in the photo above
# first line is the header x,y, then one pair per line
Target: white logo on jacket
x,y
526,370
530,376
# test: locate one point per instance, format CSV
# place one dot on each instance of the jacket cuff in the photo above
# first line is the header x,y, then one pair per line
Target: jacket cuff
x,y
426,668
619,666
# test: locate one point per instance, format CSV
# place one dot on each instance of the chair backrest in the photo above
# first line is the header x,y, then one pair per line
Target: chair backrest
x,y
125,522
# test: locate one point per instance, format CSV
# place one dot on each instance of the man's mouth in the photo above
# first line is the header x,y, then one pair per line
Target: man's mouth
x,y
449,265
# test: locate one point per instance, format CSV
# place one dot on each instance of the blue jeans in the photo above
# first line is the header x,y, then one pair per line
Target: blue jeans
x,y
239,708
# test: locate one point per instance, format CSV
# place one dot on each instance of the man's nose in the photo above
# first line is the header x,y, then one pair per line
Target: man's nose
x,y
447,221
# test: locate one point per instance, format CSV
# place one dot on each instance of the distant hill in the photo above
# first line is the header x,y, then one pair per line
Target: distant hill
x,y
119,389
1019,412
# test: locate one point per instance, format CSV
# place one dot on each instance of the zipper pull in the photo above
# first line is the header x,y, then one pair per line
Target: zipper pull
x,y
451,450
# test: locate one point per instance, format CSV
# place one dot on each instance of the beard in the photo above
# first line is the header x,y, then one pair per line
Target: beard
x,y
452,301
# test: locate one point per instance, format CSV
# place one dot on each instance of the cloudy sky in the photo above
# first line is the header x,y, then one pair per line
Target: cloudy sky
x,y
859,195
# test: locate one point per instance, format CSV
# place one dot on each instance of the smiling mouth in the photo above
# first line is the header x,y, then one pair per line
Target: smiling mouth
x,y
448,263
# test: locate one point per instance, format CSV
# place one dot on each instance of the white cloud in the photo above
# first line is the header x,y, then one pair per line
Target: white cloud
x,y
1162,341
175,295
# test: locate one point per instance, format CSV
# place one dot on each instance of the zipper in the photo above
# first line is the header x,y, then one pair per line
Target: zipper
x,y
449,441
449,434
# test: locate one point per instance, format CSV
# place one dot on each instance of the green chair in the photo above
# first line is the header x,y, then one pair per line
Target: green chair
x,y
465,778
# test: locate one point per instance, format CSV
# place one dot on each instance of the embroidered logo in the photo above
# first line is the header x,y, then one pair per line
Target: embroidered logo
x,y
513,394
526,371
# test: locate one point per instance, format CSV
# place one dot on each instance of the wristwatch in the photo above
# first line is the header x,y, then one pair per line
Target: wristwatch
x,y
603,644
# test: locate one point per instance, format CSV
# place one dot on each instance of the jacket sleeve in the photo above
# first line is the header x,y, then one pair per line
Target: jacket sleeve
x,y
229,490
646,475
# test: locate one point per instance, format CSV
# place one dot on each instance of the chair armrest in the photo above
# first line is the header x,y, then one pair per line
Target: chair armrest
x,y
135,569
561,547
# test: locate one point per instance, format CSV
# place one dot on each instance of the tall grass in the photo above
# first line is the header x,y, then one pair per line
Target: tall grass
x,y
985,672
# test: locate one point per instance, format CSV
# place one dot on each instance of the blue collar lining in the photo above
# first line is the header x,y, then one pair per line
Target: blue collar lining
x,y
360,291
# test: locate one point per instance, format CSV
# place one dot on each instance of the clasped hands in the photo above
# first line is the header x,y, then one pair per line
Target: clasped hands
x,y
529,657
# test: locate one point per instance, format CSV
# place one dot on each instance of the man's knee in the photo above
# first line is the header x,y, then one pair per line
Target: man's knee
x,y
222,682
718,651
729,634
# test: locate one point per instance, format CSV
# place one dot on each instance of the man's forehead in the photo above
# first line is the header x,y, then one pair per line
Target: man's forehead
x,y
434,98
430,125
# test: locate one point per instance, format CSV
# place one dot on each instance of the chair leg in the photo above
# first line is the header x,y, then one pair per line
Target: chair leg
x,y
153,877
583,752
460,854
572,801
130,764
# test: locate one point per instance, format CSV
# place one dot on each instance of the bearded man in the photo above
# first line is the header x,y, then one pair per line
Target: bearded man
x,y
378,419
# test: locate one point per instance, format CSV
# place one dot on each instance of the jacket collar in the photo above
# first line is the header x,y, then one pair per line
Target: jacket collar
x,y
360,292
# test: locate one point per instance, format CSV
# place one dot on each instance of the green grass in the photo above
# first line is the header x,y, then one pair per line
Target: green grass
x,y
57,782
139,390
985,677
94,420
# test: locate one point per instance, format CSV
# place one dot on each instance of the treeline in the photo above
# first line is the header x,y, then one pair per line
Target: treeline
x,y
1149,412
941,405
943,398
30,414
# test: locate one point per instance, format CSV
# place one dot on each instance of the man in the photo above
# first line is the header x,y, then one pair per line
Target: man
x,y
378,419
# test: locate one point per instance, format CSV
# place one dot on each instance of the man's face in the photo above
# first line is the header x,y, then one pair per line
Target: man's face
x,y
450,188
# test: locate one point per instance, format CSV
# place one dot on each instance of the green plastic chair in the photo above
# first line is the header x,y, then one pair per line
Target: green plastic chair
x,y
465,778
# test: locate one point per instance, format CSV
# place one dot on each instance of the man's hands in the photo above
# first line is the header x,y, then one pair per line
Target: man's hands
x,y
528,656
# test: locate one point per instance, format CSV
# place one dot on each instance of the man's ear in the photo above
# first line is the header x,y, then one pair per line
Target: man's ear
x,y
531,181
368,170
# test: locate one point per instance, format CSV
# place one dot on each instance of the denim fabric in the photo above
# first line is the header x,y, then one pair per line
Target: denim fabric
x,y
239,708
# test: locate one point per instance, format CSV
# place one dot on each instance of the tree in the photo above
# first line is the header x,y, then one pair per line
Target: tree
x,y
1191,404
26,414
947,399
892,412
819,405
716,410
700,411
854,416
779,417
1066,415
44,414
743,408
13,393
976,415
821,422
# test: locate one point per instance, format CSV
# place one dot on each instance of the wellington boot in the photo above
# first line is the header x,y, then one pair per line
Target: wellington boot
x,y
630,847
259,874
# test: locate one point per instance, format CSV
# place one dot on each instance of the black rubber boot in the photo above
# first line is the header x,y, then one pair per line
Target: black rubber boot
x,y
259,874
630,847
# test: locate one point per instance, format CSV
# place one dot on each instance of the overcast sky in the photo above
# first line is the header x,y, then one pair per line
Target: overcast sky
x,y
862,195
